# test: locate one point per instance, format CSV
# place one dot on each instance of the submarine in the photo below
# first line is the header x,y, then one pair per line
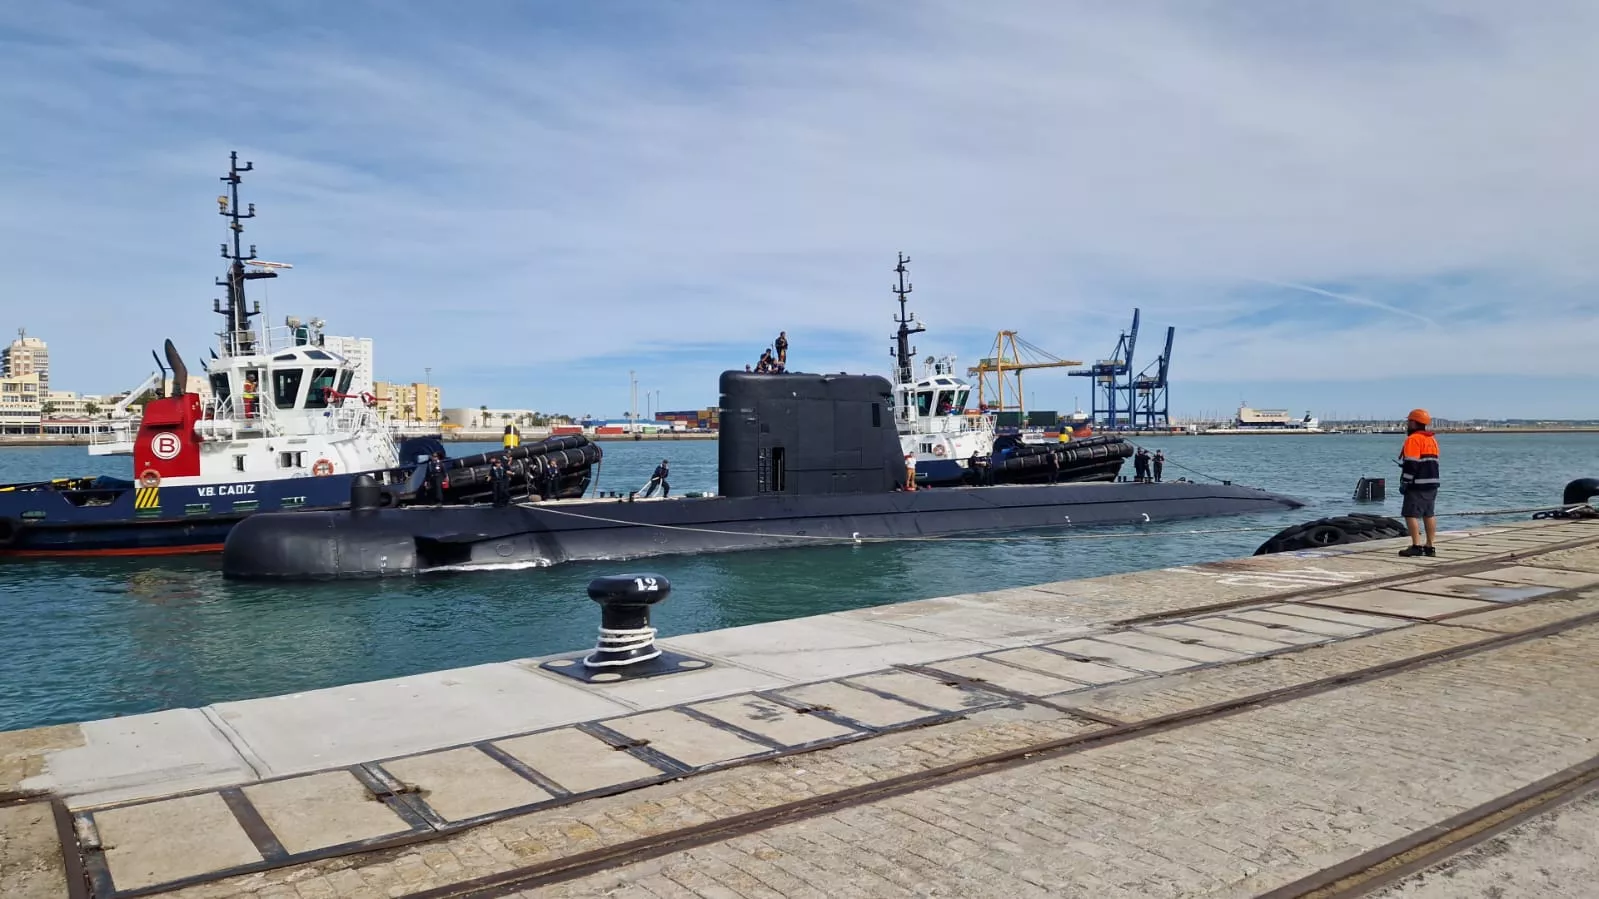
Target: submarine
x,y
804,459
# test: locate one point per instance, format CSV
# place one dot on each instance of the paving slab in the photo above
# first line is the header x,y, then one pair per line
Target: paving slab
x,y
858,705
1139,639
724,678
316,811
141,756
378,719
1217,639
1093,673
577,761
1124,656
822,646
685,739
1581,558
1338,616
1277,631
965,617
1399,602
1550,577
30,853
1475,587
465,783
926,691
1007,677
156,842
772,720
1281,617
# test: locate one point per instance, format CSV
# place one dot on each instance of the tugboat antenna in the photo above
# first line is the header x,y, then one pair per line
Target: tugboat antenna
x,y
903,351
239,338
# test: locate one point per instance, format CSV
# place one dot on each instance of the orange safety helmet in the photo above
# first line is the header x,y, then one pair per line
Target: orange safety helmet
x,y
1420,417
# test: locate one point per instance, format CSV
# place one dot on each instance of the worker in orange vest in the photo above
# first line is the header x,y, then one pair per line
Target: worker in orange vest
x,y
1418,482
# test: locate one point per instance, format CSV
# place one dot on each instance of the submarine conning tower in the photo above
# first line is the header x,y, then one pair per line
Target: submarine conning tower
x,y
807,435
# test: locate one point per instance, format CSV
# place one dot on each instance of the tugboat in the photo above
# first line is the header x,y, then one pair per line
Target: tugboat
x,y
941,435
280,432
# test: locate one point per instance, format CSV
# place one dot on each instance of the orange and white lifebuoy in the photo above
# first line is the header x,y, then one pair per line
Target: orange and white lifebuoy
x,y
149,478
322,468
938,449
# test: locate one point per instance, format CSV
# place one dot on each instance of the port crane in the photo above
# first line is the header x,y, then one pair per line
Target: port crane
x,y
1111,398
1011,355
1150,389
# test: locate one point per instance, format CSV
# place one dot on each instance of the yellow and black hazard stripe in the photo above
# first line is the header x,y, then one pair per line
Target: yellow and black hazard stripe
x,y
147,498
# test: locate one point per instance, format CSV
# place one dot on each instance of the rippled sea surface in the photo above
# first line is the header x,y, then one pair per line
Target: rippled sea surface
x,y
84,639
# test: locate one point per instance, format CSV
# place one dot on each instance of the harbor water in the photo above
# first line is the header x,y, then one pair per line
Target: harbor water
x,y
95,638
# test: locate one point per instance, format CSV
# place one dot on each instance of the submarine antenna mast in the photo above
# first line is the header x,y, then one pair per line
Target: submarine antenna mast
x,y
903,351
239,338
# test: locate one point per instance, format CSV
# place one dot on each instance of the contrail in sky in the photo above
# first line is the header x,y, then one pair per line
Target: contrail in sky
x,y
1348,298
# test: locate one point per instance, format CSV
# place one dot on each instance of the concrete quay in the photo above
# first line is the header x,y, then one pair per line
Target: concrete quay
x,y
1285,723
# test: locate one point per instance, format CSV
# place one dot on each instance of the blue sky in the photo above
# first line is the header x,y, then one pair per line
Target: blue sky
x,y
1352,208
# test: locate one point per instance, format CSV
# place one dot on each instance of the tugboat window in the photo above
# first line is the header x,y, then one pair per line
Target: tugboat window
x,y
238,463
221,388
286,386
344,381
321,383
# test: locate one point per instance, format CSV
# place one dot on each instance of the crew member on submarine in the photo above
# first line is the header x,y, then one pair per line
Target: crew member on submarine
x,y
659,478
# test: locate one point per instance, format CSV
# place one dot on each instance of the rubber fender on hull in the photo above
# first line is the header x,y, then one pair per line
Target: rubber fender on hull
x,y
1356,528
550,446
570,461
1580,491
1068,455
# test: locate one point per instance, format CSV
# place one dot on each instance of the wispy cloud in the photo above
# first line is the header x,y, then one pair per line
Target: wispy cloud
x,y
531,189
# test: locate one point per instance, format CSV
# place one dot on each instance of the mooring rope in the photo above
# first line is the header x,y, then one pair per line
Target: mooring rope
x,y
856,538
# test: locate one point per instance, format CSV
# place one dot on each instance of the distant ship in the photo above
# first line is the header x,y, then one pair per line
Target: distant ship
x,y
1270,421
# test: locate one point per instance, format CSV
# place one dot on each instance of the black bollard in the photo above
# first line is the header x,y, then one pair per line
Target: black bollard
x,y
1371,490
365,494
626,647
626,637
1580,491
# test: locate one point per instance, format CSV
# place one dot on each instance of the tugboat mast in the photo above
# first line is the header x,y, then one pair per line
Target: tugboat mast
x,y
903,351
239,338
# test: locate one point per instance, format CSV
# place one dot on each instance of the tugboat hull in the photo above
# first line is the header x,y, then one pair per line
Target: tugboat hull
x,y
409,541
121,518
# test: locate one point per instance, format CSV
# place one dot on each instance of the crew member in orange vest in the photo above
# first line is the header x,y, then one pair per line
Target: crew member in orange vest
x,y
1418,482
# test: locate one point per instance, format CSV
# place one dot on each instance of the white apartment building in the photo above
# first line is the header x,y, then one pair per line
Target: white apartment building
x,y
21,402
26,356
358,350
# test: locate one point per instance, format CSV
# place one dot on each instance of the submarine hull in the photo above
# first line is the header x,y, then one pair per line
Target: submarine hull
x,y
409,541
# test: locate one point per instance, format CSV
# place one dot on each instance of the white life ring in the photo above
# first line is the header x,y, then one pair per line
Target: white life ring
x,y
938,450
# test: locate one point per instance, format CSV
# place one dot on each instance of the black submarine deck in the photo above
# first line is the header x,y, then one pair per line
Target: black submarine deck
x,y
803,459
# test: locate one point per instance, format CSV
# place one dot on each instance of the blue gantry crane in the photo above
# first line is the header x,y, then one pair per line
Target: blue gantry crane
x,y
1112,398
1149,388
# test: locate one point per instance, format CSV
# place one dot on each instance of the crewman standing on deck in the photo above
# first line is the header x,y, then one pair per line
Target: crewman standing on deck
x,y
437,478
500,481
1418,482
